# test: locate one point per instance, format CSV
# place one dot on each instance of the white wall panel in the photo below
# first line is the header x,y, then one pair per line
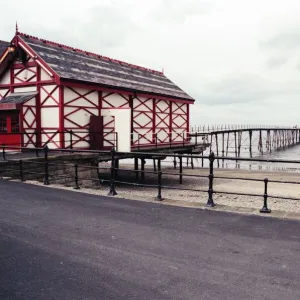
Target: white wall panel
x,y
50,117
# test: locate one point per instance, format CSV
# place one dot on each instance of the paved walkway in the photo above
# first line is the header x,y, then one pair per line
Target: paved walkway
x,y
58,244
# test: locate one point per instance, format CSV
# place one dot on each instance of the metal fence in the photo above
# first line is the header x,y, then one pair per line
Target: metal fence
x,y
113,181
222,127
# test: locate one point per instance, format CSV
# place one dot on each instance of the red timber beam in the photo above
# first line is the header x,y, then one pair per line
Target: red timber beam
x,y
171,121
154,121
131,119
38,109
188,119
61,117
98,87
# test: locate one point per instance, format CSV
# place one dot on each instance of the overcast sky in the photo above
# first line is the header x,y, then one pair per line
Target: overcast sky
x,y
240,59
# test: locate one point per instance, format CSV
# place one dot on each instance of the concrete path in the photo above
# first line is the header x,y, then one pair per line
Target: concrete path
x,y
57,244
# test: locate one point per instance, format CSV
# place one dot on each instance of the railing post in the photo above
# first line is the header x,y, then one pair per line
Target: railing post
x,y
117,142
156,140
46,175
159,173
265,208
210,201
180,169
3,152
112,191
76,187
37,144
71,139
21,170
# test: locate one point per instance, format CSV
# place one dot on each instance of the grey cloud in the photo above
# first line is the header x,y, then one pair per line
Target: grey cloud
x,y
174,11
245,88
284,40
276,62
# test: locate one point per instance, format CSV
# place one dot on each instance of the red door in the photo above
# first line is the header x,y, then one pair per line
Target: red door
x,y
96,132
10,128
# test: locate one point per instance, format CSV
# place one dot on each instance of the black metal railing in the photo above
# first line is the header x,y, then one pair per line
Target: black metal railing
x,y
166,140
223,127
70,138
45,164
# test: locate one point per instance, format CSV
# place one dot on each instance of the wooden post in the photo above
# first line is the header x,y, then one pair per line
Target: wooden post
x,y
235,144
223,148
217,148
250,138
239,142
227,146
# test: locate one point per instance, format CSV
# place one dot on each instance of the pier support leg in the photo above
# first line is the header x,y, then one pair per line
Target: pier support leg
x,y
250,138
154,165
117,164
143,169
136,168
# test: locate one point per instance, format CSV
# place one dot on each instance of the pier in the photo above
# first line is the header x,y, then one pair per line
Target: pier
x,y
230,140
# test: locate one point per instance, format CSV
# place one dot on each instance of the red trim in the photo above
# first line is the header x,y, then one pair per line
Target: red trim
x,y
61,117
188,118
25,84
97,87
49,95
21,66
154,119
21,120
7,106
171,120
99,102
38,108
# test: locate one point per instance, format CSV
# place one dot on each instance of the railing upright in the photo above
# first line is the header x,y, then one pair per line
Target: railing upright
x,y
112,191
76,187
265,208
159,180
46,166
210,201
3,152
71,138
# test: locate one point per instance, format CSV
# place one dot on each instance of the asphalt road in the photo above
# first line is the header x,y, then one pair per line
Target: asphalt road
x,y
56,244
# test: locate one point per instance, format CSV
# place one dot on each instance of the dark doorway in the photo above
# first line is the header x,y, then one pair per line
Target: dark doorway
x,y
96,132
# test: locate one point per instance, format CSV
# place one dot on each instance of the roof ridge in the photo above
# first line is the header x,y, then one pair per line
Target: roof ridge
x,y
90,53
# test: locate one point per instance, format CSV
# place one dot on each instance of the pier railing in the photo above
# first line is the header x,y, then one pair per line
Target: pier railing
x,y
46,169
224,127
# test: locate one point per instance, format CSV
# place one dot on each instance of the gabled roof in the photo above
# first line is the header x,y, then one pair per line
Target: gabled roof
x,y
18,98
75,64
13,101
3,46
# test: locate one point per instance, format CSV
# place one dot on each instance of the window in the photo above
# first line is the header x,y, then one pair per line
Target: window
x,y
15,125
3,125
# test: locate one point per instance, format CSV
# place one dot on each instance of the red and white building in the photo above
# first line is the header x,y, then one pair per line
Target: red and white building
x,y
56,95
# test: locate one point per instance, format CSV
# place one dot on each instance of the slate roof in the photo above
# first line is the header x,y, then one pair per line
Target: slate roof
x,y
75,64
17,98
3,46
